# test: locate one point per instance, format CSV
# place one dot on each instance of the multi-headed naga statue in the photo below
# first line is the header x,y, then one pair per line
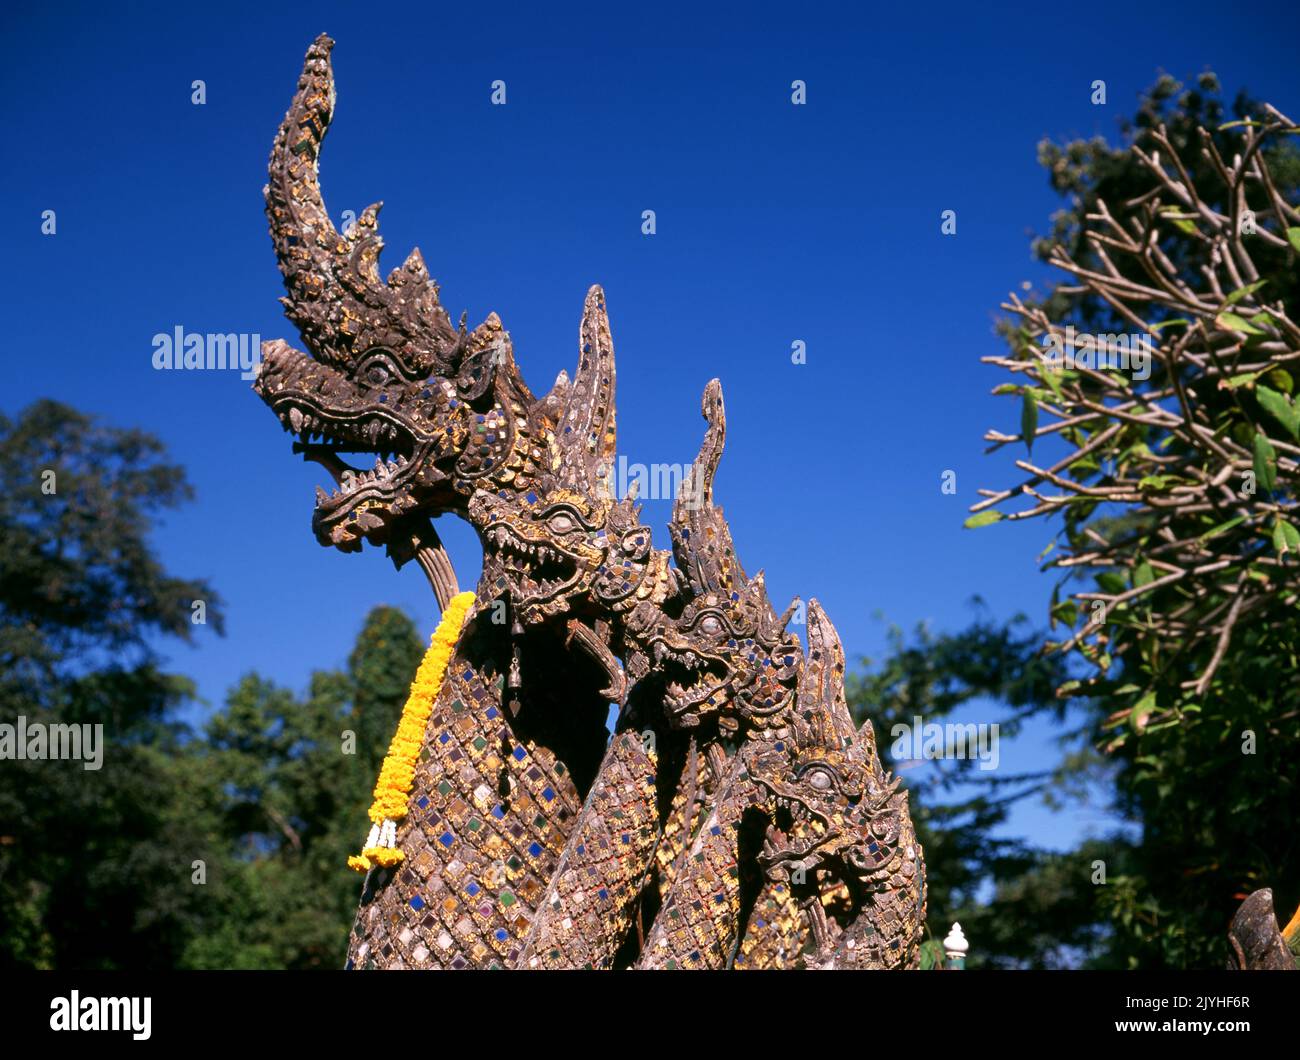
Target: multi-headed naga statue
x,y
735,818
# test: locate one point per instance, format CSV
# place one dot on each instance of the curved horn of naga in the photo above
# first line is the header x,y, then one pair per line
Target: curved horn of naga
x,y
585,435
823,719
702,542
335,296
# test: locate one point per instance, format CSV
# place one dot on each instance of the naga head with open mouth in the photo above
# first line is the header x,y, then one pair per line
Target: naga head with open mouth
x,y
567,545
435,411
719,645
840,833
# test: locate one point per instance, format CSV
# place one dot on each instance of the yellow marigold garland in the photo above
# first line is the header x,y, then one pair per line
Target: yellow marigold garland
x,y
393,788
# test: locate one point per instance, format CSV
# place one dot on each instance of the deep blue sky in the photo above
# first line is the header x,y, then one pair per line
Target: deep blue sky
x,y
775,223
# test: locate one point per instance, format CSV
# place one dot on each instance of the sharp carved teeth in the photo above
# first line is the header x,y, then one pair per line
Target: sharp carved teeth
x,y
295,420
321,496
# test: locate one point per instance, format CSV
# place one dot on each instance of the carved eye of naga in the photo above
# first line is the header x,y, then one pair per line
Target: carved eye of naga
x,y
710,623
820,779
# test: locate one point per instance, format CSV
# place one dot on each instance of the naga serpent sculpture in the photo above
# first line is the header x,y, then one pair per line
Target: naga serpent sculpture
x,y
736,818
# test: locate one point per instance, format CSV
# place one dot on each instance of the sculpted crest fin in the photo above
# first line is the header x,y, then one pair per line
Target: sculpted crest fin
x,y
335,296
585,436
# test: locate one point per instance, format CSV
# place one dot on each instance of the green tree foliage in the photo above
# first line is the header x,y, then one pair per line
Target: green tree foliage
x,y
1175,497
1021,907
292,780
89,859
219,849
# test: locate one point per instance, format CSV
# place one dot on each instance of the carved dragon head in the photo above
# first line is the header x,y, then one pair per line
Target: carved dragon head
x,y
442,411
719,645
840,831
566,544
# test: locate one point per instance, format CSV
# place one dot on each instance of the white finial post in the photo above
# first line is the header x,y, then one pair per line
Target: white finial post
x,y
955,947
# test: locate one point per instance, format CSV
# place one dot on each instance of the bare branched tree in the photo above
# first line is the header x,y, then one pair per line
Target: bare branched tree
x,y
1174,436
